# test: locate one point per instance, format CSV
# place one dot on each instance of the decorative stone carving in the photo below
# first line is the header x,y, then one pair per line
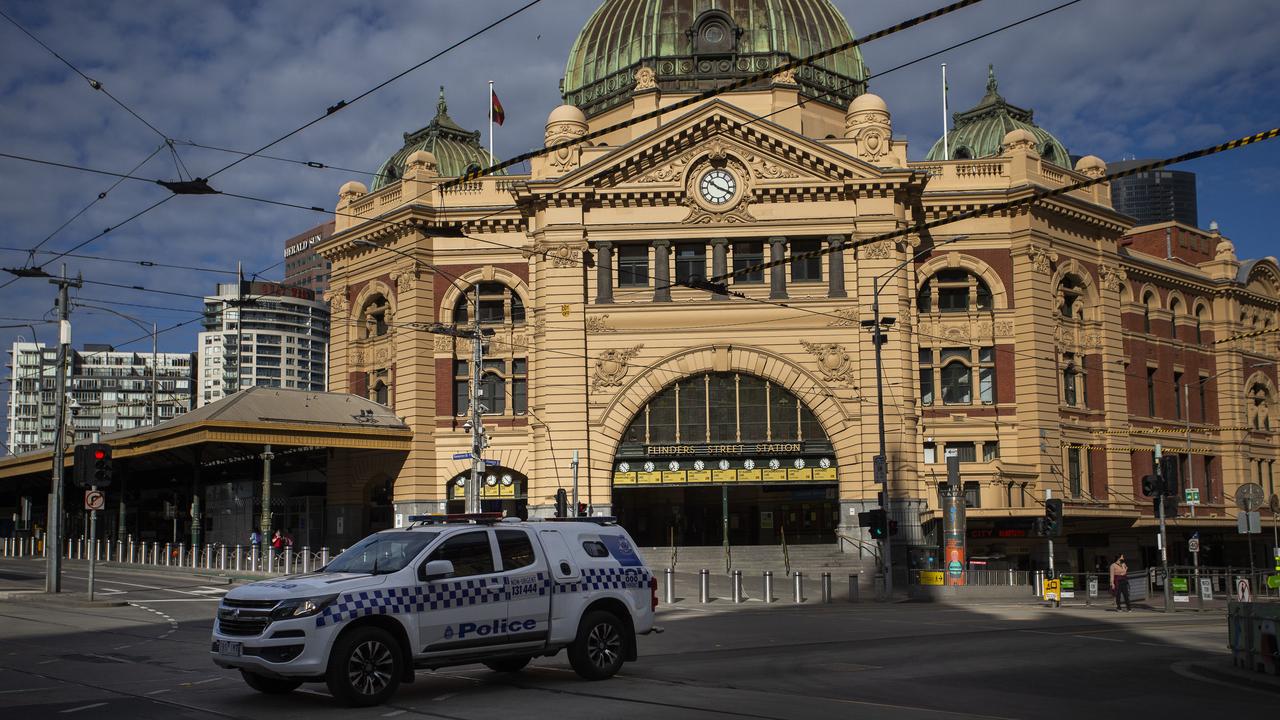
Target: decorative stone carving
x,y
357,358
1004,328
833,361
566,124
868,124
1112,276
785,77
382,355
879,250
671,171
611,367
646,79
539,326
1042,259
337,298
699,215
957,333
564,256
846,317
717,150
599,325
404,278
443,343
765,170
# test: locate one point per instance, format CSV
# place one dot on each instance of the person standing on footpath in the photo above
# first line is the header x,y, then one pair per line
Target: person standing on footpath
x,y
1120,583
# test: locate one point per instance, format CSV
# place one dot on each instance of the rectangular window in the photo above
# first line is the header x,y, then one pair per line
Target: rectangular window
x,y
693,410
930,453
461,396
953,299
783,422
926,386
520,386
633,266
745,255
515,549
691,262
662,418
806,269
990,450
1069,385
723,408
965,451
1204,407
753,410
1151,392
987,385
972,495
1074,470
1177,395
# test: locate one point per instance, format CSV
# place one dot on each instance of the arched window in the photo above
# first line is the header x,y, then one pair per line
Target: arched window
x,y
499,305
1071,298
1200,325
1260,407
1147,300
373,316
954,290
962,153
957,383
724,407
500,379
1174,305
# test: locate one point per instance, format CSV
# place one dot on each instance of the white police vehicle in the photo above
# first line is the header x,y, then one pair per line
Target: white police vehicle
x,y
444,591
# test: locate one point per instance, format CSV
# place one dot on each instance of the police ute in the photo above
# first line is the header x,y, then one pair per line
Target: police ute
x,y
447,590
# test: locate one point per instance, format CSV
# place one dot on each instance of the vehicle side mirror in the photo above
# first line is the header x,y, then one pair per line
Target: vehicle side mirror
x,y
437,570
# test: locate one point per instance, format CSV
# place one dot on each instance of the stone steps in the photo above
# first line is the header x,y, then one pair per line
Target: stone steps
x,y
753,559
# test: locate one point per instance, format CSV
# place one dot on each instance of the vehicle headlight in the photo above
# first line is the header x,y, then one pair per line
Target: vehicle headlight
x,y
301,607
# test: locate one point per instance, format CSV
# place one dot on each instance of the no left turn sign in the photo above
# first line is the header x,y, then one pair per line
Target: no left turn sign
x,y
94,499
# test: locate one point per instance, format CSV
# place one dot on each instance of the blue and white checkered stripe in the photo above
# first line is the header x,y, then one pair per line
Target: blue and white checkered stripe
x,y
436,596
594,579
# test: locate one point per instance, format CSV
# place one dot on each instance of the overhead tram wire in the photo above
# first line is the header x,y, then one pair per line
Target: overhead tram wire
x,y
341,104
309,163
142,263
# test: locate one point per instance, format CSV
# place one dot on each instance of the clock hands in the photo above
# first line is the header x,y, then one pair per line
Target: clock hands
x,y
724,187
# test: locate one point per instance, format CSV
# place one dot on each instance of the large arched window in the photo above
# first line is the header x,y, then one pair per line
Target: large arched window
x,y
724,408
1071,298
1174,306
954,290
374,315
1148,299
499,305
1260,406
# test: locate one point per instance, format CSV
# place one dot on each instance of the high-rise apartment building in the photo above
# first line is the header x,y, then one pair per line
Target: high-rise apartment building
x,y
1155,196
302,266
108,390
262,333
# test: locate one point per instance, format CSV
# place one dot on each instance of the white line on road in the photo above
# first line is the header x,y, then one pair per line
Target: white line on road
x,y
157,692
82,707
174,600
22,690
393,713
139,585
1091,637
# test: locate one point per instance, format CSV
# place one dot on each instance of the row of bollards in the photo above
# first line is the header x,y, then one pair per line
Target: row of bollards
x,y
207,557
738,595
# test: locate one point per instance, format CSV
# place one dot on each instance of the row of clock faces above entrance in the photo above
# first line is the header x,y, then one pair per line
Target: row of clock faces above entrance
x,y
748,464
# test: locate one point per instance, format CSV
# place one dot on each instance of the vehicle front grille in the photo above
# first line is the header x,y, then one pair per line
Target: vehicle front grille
x,y
244,618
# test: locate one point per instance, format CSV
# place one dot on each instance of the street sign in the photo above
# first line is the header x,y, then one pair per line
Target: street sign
x,y
1206,588
1192,496
1249,523
94,499
1193,545
1053,589
880,470
955,568
1093,586
462,456
1242,590
492,463
1249,497
931,577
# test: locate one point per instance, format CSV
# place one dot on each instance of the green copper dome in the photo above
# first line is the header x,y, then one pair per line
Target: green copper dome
x,y
980,130
455,149
694,45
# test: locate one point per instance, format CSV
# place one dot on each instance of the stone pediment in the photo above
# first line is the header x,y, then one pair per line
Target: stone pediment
x,y
715,133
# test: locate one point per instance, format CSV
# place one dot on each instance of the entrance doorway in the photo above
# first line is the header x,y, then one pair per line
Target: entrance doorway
x,y
758,514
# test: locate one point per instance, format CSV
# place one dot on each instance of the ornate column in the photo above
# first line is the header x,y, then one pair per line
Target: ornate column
x,y
604,273
662,271
835,276
719,262
777,273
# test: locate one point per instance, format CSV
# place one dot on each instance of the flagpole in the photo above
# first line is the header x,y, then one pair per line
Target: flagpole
x,y
492,157
946,150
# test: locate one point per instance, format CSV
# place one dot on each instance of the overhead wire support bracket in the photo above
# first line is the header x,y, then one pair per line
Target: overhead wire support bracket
x,y
195,186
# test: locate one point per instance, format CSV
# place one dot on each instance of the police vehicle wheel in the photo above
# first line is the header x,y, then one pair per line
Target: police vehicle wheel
x,y
364,667
597,652
508,665
270,686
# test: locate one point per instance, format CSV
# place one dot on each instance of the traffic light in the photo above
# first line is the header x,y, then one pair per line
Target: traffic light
x,y
562,503
582,509
1150,485
875,521
1169,469
1052,517
893,527
92,466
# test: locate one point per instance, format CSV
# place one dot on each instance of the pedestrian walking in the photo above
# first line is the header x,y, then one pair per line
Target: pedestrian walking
x,y
1120,583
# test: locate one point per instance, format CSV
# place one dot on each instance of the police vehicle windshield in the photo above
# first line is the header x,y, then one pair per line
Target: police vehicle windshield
x,y
381,553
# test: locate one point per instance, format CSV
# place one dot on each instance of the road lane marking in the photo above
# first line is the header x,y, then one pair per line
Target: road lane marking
x,y
176,600
1091,637
82,707
22,690
393,713
139,585
157,692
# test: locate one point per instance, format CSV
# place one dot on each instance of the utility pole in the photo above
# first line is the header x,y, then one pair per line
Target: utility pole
x,y
477,430
880,465
53,536
264,522
1160,496
1048,495
154,359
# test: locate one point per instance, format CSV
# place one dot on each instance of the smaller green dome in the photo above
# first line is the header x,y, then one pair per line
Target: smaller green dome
x,y
980,130
456,150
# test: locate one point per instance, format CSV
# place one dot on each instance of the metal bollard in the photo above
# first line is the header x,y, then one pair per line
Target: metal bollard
x,y
253,559
239,558
324,556
132,550
222,557
826,587
799,586
306,559
768,586
182,553
737,586
853,587
669,585
288,562
704,586
208,557
271,561
1038,589
168,554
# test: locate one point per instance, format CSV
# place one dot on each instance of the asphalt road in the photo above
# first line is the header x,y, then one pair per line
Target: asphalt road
x,y
149,659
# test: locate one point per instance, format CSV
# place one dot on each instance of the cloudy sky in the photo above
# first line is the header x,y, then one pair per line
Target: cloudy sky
x,y
1140,77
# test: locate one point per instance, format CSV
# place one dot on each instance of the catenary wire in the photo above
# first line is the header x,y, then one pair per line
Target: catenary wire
x,y
143,263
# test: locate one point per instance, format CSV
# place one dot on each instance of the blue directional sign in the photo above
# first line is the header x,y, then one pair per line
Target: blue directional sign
x,y
491,463
462,456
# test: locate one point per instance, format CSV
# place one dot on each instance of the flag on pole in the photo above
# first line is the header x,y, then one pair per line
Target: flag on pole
x,y
498,114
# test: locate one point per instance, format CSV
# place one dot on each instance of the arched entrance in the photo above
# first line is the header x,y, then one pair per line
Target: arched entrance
x,y
726,449
501,490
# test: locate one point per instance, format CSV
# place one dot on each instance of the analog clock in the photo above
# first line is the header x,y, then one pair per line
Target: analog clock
x,y
825,462
699,465
724,464
718,186
673,466
648,467
774,464
749,464
624,467
799,463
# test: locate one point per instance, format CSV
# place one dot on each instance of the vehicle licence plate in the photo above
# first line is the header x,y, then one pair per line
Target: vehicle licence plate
x,y
228,647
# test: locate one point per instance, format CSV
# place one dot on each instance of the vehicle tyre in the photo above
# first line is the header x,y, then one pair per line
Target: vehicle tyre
x,y
269,685
364,667
508,665
597,652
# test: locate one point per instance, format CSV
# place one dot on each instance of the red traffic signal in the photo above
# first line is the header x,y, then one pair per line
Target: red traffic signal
x,y
99,454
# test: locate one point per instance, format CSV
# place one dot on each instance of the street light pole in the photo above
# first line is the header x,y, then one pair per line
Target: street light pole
x,y
53,535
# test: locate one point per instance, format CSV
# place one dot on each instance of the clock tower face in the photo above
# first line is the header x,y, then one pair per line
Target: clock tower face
x,y
718,186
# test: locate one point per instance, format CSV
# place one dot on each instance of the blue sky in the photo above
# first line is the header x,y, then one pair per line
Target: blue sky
x,y
1140,77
